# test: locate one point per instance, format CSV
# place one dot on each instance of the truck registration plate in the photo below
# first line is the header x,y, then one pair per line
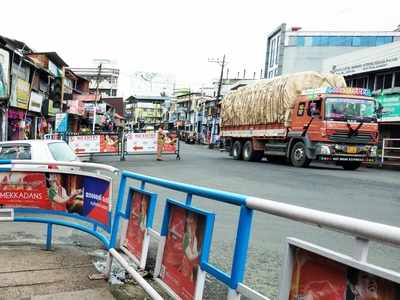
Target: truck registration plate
x,y
352,149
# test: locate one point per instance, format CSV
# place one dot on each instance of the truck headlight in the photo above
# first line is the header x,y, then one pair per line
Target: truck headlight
x,y
324,150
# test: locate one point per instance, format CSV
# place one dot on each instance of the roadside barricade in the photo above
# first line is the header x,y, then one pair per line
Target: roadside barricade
x,y
390,151
185,238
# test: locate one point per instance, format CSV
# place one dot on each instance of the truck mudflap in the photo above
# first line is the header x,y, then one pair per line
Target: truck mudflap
x,y
359,158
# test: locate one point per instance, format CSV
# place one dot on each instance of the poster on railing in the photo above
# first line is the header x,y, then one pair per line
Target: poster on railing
x,y
146,142
75,194
85,144
137,224
180,261
317,277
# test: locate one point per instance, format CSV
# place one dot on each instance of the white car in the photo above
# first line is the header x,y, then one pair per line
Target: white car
x,y
37,150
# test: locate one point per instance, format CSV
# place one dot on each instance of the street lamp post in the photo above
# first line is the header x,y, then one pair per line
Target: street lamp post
x,y
95,100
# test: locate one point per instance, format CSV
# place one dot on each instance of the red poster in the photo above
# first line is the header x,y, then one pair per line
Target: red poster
x,y
318,278
182,251
108,143
170,144
84,195
137,224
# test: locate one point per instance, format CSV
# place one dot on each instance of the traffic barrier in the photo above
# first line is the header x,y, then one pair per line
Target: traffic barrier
x,y
186,234
390,150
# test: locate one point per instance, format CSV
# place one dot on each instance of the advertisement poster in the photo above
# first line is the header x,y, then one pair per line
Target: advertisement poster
x,y
84,143
35,104
75,194
391,107
61,122
170,144
182,251
108,143
141,142
318,278
4,73
137,224
20,94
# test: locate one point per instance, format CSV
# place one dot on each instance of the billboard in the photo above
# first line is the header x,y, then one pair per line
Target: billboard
x,y
84,195
84,144
139,212
391,107
185,231
317,276
4,73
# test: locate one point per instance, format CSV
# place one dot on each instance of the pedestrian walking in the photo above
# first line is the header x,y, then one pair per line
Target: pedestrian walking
x,y
160,141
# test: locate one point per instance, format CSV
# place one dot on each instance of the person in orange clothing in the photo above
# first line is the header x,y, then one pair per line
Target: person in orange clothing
x,y
160,141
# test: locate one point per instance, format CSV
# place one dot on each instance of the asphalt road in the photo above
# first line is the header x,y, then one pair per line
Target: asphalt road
x,y
367,193
371,194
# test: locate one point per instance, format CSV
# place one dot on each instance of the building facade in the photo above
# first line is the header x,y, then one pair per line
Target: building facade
x,y
290,49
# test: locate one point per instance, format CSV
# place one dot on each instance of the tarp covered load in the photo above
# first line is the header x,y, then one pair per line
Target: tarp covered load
x,y
270,101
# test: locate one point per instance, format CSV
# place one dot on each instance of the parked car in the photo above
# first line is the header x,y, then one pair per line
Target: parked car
x,y
38,150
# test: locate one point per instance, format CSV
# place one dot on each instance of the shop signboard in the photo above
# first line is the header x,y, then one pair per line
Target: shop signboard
x,y
61,122
76,107
53,69
86,196
4,73
36,101
86,144
101,107
391,107
140,213
51,110
312,272
147,143
187,232
20,93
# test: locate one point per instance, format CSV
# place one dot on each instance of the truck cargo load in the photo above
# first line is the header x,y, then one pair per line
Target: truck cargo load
x,y
270,101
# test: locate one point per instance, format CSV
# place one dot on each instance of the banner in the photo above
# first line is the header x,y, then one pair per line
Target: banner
x,y
147,143
61,122
75,194
319,278
4,73
182,249
105,143
137,224
35,104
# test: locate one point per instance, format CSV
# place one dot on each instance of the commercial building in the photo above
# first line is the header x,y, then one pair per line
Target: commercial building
x,y
378,69
290,49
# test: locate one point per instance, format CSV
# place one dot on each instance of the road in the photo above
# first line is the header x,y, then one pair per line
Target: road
x,y
367,193
371,194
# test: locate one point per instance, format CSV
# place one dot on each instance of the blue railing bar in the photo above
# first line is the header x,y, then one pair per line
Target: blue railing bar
x,y
94,227
227,197
98,235
5,161
49,236
115,226
4,169
241,245
189,199
217,273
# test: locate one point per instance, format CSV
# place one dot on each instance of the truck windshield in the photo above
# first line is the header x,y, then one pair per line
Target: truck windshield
x,y
345,109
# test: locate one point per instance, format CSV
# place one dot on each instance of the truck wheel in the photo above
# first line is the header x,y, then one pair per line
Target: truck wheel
x,y
298,156
351,165
237,150
248,152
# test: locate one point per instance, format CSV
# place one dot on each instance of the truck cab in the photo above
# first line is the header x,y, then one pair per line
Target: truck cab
x,y
334,124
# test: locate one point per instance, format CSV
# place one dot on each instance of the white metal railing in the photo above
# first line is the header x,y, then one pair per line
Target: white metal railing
x,y
388,148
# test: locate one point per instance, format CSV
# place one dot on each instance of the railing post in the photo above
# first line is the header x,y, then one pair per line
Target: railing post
x,y
383,152
115,225
241,247
49,236
360,249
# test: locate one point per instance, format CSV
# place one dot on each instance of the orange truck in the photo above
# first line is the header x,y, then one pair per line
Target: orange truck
x,y
329,124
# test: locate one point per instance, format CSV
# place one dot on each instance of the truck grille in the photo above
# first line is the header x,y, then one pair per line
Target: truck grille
x,y
343,137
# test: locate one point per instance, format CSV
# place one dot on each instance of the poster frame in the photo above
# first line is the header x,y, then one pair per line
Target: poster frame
x,y
139,261
287,268
111,153
205,247
33,210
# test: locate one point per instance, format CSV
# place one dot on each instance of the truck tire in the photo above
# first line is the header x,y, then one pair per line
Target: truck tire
x,y
237,150
247,151
351,165
298,157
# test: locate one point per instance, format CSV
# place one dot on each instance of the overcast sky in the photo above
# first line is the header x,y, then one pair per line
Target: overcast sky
x,y
178,37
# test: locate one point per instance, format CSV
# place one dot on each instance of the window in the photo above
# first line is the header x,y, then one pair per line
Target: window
x,y
272,53
300,41
360,82
356,41
384,81
378,82
388,81
15,151
300,109
314,108
397,79
62,152
278,41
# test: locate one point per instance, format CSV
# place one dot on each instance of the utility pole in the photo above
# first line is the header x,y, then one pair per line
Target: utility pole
x,y
95,100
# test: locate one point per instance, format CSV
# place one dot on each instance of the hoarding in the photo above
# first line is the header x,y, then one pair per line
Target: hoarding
x,y
185,242
4,73
391,107
140,212
86,196
20,93
321,274
36,101
105,143
61,122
